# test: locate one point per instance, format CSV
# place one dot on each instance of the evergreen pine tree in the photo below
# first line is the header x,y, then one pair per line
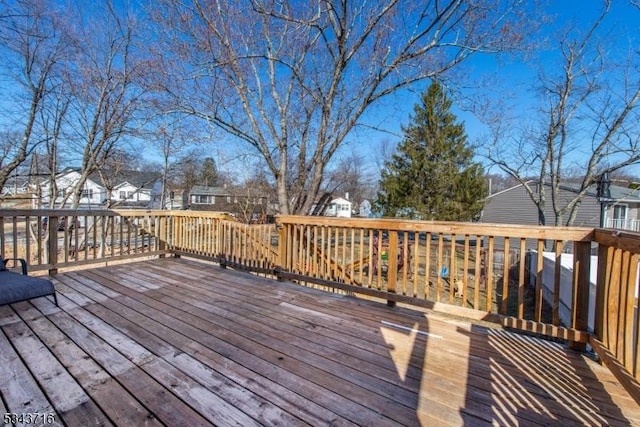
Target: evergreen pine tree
x,y
209,173
432,175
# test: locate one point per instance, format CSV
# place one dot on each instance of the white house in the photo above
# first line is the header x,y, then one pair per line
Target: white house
x,y
93,194
127,189
339,208
129,192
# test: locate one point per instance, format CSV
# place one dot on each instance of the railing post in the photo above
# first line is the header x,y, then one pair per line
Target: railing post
x,y
392,272
160,231
581,283
282,250
53,246
605,260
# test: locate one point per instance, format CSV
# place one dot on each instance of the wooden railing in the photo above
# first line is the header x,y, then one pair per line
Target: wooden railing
x,y
218,238
617,318
53,239
536,279
476,270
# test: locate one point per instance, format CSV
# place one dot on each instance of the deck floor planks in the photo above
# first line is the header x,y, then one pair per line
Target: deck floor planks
x,y
124,361
168,329
562,355
69,399
280,326
20,391
548,403
482,380
276,328
444,391
138,326
322,385
244,376
205,401
113,399
538,419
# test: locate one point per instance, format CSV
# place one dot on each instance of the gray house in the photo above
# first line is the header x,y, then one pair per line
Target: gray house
x,y
513,206
246,206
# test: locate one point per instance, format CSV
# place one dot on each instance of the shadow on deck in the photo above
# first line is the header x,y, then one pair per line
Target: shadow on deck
x,y
179,342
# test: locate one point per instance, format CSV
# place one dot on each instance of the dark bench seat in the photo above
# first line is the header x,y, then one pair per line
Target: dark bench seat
x,y
16,287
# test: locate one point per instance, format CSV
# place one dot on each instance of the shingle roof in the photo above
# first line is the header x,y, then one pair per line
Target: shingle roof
x,y
136,178
209,191
617,192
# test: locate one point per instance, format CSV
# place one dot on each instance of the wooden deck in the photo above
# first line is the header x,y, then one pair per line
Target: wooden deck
x,y
178,342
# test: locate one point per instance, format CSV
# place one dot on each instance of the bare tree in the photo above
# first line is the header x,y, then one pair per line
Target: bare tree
x,y
33,46
351,178
107,89
589,122
252,197
171,140
293,79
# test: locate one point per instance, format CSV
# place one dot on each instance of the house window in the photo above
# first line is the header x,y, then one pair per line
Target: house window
x,y
60,193
122,195
203,199
620,212
87,194
619,216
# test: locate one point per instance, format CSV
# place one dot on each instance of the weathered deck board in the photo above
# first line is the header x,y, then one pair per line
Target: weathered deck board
x,y
179,342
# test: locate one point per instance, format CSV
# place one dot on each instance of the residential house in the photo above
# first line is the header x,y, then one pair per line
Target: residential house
x,y
339,207
244,206
125,189
135,189
622,211
514,206
15,193
176,199
93,193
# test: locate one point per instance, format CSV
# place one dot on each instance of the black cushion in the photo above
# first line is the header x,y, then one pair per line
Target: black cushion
x,y
15,287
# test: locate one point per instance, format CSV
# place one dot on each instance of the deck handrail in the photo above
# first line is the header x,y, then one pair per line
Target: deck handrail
x,y
534,278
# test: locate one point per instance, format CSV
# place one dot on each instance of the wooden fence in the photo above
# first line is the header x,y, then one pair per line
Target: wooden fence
x,y
514,275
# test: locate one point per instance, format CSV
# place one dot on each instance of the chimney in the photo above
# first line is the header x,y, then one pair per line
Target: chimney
x,y
346,195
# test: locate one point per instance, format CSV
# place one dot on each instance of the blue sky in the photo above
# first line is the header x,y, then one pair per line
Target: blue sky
x,y
514,76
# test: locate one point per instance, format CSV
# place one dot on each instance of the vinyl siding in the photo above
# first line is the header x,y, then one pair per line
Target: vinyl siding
x,y
514,206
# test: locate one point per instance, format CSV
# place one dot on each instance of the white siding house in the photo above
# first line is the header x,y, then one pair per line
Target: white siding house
x,y
128,190
339,208
92,192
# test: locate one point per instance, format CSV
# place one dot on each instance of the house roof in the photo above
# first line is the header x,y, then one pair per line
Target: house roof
x,y
137,179
625,193
144,186
210,191
341,201
617,192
